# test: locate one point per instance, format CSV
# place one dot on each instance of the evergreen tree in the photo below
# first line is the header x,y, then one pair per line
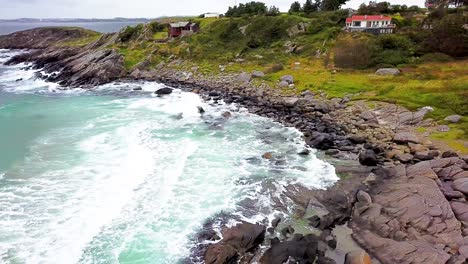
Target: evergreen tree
x,y
295,7
309,7
331,5
273,11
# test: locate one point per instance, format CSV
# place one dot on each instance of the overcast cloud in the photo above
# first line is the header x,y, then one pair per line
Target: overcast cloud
x,y
133,8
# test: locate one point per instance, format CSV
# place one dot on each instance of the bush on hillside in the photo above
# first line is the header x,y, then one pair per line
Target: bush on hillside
x,y
394,42
273,11
390,57
248,9
449,36
130,32
275,68
354,53
157,27
263,31
436,57
230,32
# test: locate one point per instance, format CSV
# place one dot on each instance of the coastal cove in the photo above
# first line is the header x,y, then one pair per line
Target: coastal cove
x,y
213,167
117,175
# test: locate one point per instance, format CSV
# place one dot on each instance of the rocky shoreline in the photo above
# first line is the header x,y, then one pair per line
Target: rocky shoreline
x,y
406,203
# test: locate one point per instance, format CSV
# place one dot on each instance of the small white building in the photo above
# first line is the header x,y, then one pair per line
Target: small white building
x,y
375,24
215,15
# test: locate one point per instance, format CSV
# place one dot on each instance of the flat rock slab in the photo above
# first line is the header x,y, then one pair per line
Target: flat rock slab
x,y
409,216
406,137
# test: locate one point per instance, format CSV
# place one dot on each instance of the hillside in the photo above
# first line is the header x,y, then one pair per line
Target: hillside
x,y
305,48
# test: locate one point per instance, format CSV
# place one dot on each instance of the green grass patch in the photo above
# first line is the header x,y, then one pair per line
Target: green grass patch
x,y
160,35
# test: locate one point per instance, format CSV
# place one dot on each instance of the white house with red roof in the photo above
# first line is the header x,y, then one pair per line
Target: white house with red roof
x,y
375,24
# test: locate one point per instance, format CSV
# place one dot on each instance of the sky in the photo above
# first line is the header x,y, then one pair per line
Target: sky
x,y
135,8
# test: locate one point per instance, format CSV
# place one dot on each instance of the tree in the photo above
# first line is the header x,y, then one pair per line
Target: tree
x,y
295,7
332,5
248,9
376,8
448,36
308,7
437,3
273,11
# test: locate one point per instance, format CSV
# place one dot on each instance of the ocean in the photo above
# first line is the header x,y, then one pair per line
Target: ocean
x,y
103,27
114,175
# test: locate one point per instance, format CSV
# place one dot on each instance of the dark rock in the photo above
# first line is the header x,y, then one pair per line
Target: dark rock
x,y
424,155
287,231
200,110
314,221
321,140
227,115
137,89
331,241
275,222
449,154
368,158
236,241
358,139
304,152
303,250
325,260
332,152
164,91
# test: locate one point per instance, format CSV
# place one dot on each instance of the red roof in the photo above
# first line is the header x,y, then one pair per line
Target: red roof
x,y
368,18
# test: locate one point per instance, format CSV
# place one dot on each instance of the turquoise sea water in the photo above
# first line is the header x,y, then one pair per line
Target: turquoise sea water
x,y
114,175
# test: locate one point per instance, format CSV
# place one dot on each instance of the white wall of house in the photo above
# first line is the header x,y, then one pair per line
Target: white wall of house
x,y
212,15
363,24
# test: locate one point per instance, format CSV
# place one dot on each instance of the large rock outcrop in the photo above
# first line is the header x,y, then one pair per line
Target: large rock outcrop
x,y
86,66
41,38
414,217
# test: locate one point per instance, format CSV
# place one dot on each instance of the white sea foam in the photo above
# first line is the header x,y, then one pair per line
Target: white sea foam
x,y
131,183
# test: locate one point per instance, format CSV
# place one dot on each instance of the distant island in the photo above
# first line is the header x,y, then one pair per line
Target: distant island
x,y
74,20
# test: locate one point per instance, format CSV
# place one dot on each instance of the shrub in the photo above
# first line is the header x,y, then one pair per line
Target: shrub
x,y
263,31
394,42
275,68
157,27
436,57
130,32
247,9
353,53
390,57
449,36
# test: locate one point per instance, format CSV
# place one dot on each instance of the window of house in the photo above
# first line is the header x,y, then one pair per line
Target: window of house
x,y
357,23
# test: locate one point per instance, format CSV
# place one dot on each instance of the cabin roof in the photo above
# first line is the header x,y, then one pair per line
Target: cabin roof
x,y
179,24
368,18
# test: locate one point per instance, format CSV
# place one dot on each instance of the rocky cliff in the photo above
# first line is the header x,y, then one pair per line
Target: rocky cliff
x,y
84,66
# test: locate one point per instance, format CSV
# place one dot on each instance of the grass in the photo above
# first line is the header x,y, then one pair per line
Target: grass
x,y
133,56
454,139
160,35
82,41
